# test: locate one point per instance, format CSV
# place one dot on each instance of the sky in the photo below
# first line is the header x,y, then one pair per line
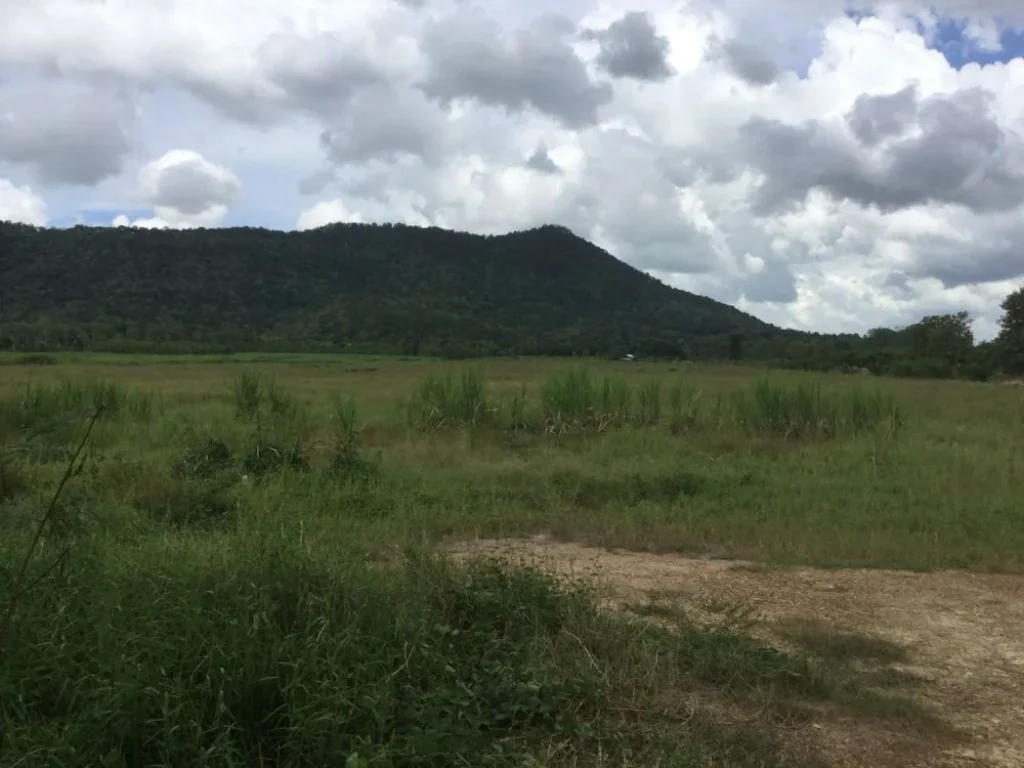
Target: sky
x,y
824,165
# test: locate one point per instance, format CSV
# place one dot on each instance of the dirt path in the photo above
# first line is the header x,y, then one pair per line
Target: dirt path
x,y
964,631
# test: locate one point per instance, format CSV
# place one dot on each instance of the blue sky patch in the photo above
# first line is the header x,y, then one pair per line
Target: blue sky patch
x,y
960,50
950,38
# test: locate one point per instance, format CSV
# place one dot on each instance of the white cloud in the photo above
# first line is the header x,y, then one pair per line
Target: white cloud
x,y
185,189
21,204
821,172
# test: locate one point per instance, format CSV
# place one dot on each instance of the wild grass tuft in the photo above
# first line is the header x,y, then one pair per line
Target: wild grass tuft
x,y
348,460
59,409
446,401
574,399
806,411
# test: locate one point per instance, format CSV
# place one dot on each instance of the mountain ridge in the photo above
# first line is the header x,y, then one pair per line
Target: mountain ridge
x,y
357,287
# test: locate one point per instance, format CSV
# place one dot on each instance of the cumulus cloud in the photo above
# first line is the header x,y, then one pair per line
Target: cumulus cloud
x,y
21,204
632,47
469,56
746,61
819,170
541,161
185,190
956,153
63,132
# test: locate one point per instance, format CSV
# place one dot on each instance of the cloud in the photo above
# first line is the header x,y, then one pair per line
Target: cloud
x,y
957,153
748,62
632,47
21,204
541,161
820,170
64,133
185,190
470,57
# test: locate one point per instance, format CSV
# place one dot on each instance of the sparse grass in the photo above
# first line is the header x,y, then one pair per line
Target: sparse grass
x,y
250,578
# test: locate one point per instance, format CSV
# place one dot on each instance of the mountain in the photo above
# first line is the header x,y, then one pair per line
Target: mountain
x,y
357,287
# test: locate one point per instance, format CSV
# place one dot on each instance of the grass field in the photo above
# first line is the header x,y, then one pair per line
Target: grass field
x,y
242,568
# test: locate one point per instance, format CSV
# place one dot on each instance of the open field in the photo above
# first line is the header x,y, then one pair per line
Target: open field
x,y
244,566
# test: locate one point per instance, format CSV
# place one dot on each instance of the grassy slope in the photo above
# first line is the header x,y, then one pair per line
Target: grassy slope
x,y
197,612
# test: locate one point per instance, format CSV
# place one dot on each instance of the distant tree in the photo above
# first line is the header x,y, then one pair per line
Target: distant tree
x,y
1011,335
942,342
736,346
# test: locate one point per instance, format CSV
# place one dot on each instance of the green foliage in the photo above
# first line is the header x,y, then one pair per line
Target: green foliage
x,y
248,393
685,405
348,460
574,398
1010,342
441,401
806,411
649,402
358,287
200,619
13,478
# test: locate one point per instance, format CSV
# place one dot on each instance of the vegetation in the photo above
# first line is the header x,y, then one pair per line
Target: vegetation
x,y
354,287
404,290
241,565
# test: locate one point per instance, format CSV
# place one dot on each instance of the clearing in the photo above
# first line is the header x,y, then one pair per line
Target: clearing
x,y
960,632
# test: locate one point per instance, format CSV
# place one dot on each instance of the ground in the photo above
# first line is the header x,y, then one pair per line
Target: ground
x,y
871,526
961,632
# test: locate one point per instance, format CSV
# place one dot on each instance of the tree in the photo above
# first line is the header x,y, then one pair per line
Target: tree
x,y
942,342
1011,336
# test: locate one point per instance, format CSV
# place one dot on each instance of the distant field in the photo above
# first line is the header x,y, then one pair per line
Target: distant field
x,y
258,515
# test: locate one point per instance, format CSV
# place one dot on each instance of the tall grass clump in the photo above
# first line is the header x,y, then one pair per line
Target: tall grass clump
x,y
248,395
649,403
348,460
515,411
576,399
56,411
806,411
254,395
685,408
445,401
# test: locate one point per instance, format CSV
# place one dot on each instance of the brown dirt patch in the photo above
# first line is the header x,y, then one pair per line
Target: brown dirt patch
x,y
964,633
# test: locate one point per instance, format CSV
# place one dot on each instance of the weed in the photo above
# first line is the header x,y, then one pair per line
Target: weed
x,y
649,402
13,479
444,401
248,394
573,399
684,403
205,459
347,458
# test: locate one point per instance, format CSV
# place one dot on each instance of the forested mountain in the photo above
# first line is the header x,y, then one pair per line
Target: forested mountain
x,y
355,287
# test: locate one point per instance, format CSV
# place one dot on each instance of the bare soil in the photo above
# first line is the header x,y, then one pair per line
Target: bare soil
x,y
964,633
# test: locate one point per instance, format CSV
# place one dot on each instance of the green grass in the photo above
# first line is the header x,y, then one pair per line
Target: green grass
x,y
241,568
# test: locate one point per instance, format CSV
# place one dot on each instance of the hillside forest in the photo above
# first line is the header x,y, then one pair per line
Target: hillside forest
x,y
395,289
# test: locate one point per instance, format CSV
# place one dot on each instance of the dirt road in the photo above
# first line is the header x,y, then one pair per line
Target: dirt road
x,y
964,634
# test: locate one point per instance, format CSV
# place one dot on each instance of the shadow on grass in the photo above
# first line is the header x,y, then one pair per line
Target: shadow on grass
x,y
833,673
